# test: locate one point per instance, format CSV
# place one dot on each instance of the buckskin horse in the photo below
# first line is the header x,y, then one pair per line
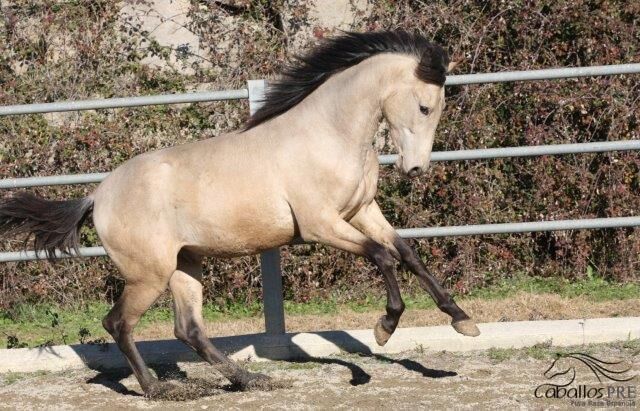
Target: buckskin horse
x,y
302,167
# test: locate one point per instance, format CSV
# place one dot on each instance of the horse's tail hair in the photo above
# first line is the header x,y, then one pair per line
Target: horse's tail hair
x,y
53,224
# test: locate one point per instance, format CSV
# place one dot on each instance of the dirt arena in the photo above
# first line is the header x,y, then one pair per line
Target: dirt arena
x,y
412,380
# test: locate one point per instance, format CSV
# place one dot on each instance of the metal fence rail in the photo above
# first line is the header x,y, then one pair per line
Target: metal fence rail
x,y
526,151
456,80
120,102
58,180
270,260
422,232
15,256
526,227
478,154
546,74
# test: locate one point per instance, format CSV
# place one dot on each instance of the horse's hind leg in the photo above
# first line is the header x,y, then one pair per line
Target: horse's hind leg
x,y
189,326
144,286
120,322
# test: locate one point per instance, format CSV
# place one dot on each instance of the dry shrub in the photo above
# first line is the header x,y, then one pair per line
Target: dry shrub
x,y
98,61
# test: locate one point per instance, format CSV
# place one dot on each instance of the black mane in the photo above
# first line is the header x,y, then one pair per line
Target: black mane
x,y
333,55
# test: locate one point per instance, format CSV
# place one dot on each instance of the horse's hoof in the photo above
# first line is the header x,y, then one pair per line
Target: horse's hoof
x,y
466,327
382,335
164,390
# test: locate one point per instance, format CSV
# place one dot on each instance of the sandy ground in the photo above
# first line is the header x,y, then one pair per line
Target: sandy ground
x,y
521,307
411,380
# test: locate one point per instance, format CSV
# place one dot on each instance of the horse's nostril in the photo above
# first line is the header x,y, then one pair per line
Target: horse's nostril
x,y
415,172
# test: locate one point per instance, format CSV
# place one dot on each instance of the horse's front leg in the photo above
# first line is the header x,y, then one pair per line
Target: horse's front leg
x,y
372,222
340,234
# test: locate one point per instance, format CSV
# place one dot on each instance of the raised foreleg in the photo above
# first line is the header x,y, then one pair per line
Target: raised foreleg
x,y
373,223
340,234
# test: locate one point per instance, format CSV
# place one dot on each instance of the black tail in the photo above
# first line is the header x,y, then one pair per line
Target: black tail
x,y
54,224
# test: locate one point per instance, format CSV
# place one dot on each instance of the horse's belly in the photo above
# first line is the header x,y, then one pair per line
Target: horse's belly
x,y
240,229
234,245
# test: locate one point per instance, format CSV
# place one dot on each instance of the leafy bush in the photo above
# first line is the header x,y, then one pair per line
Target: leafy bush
x,y
73,50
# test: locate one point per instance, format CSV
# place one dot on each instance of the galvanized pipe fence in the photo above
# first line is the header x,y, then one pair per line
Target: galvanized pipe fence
x,y
270,260
385,159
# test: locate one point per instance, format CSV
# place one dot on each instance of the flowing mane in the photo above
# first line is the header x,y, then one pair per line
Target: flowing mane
x,y
333,55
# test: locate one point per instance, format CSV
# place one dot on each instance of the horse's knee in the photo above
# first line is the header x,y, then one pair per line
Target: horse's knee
x,y
386,263
407,254
381,257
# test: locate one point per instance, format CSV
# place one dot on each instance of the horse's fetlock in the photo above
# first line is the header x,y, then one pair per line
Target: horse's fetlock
x,y
451,308
446,306
395,309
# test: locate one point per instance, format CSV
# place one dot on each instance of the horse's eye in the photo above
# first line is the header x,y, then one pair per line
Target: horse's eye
x,y
424,110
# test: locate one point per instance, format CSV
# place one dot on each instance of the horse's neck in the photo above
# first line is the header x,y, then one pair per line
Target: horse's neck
x,y
349,104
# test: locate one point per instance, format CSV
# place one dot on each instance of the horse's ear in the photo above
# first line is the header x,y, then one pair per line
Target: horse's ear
x,y
453,64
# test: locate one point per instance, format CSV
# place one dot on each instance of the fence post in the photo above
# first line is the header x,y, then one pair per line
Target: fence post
x,y
270,259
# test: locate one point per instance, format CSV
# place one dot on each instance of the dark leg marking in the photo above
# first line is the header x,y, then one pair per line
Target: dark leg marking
x,y
120,321
189,332
121,334
385,262
460,320
186,287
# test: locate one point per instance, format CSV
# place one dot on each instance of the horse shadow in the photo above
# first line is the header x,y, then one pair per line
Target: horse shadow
x,y
263,345
351,345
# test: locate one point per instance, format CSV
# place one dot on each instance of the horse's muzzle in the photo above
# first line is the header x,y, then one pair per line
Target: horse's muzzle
x,y
415,172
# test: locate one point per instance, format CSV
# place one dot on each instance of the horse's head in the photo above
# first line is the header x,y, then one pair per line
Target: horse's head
x,y
413,109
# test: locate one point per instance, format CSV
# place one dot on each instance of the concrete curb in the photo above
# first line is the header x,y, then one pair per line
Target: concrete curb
x,y
300,345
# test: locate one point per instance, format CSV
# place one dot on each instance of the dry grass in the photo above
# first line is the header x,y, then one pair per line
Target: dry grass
x,y
521,307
